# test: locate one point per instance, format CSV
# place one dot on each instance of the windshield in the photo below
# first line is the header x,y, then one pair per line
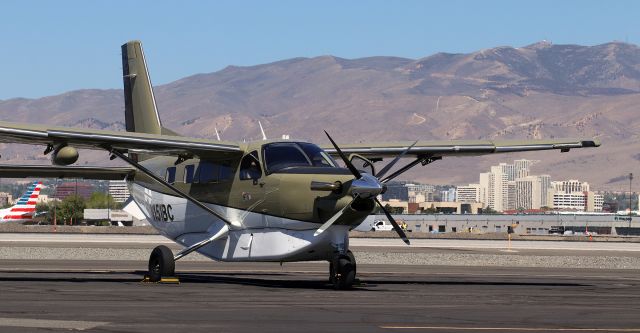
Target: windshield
x,y
284,155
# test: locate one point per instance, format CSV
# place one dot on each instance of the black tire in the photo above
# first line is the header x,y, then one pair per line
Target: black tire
x,y
343,273
352,258
161,263
331,272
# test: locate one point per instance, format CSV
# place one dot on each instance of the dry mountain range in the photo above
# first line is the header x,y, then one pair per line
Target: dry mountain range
x,y
533,92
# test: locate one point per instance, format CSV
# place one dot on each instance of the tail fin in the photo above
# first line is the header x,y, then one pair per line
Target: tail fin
x,y
25,207
141,113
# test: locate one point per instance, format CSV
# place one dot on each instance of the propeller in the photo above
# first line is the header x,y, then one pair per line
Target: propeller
x,y
388,167
366,186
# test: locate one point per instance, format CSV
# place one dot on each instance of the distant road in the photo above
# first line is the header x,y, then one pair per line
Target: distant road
x,y
104,239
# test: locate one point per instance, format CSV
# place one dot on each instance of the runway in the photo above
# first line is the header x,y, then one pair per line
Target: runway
x,y
85,293
109,297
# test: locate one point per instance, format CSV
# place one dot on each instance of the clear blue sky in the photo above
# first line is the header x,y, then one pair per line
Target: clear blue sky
x,y
50,47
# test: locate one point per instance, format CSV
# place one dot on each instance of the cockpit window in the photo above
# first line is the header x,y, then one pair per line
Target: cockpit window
x,y
283,155
317,156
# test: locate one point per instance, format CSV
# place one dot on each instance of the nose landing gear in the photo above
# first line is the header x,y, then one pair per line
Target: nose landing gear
x,y
342,271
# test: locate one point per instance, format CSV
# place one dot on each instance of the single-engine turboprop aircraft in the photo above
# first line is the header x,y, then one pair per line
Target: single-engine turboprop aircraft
x,y
269,200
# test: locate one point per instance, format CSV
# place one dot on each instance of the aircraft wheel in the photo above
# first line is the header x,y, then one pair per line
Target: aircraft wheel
x,y
161,263
352,258
343,273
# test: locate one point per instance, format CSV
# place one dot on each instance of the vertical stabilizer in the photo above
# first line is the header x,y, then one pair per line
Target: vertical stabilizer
x,y
25,207
141,113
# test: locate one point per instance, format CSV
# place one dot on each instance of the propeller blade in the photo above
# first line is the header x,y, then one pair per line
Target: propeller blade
x,y
346,161
393,222
387,167
333,218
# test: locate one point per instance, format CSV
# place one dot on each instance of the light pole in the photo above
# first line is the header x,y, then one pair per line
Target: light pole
x,y
630,179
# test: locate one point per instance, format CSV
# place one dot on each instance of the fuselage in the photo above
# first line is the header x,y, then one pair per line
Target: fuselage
x,y
267,195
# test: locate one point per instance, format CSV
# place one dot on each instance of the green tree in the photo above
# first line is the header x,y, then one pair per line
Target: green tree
x,y
489,210
393,210
431,210
71,209
100,200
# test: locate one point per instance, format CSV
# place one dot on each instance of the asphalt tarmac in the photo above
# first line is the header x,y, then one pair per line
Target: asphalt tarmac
x,y
108,296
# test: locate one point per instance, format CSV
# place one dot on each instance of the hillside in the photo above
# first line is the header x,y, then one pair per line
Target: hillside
x,y
537,91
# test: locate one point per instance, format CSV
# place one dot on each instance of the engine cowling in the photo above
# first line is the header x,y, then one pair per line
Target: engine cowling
x,y
64,155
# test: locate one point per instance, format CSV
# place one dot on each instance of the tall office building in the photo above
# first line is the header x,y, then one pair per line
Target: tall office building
x,y
498,187
118,190
448,195
522,168
469,194
528,192
511,195
574,195
545,186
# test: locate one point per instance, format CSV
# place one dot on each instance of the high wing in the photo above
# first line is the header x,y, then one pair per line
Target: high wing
x,y
438,149
123,141
50,171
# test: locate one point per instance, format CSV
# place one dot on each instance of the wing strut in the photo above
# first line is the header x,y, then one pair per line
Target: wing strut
x,y
222,233
173,188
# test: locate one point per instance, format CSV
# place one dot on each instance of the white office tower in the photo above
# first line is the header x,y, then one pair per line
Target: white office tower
x,y
570,186
499,187
522,168
469,194
528,192
487,189
448,195
118,190
545,186
573,195
511,197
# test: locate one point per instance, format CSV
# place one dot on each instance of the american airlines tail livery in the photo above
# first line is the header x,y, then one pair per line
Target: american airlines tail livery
x,y
25,207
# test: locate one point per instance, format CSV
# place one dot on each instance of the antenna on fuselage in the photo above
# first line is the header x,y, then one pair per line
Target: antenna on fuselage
x,y
217,134
264,136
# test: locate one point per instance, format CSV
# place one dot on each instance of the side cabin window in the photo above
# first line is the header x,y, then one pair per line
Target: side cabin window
x,y
250,166
170,175
213,172
189,171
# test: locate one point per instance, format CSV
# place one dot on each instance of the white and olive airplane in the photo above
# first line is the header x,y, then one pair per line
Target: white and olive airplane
x,y
263,201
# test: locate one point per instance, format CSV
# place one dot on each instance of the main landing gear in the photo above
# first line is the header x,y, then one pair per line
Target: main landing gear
x,y
342,271
161,264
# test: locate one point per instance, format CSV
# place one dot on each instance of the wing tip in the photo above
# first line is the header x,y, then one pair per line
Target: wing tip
x,y
591,143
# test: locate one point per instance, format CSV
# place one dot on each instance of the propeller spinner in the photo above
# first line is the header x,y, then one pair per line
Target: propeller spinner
x,y
366,186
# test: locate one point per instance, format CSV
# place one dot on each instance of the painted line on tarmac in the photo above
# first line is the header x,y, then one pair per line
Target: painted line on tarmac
x,y
511,329
50,323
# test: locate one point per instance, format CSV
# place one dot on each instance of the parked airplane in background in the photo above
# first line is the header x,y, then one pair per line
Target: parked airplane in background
x,y
25,207
268,200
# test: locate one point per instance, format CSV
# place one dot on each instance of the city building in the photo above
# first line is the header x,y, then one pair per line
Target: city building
x,y
409,192
511,195
468,194
522,168
6,199
396,191
73,188
118,190
448,195
573,195
528,193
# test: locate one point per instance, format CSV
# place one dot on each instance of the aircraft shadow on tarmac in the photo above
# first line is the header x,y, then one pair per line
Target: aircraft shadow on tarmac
x,y
263,279
283,280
